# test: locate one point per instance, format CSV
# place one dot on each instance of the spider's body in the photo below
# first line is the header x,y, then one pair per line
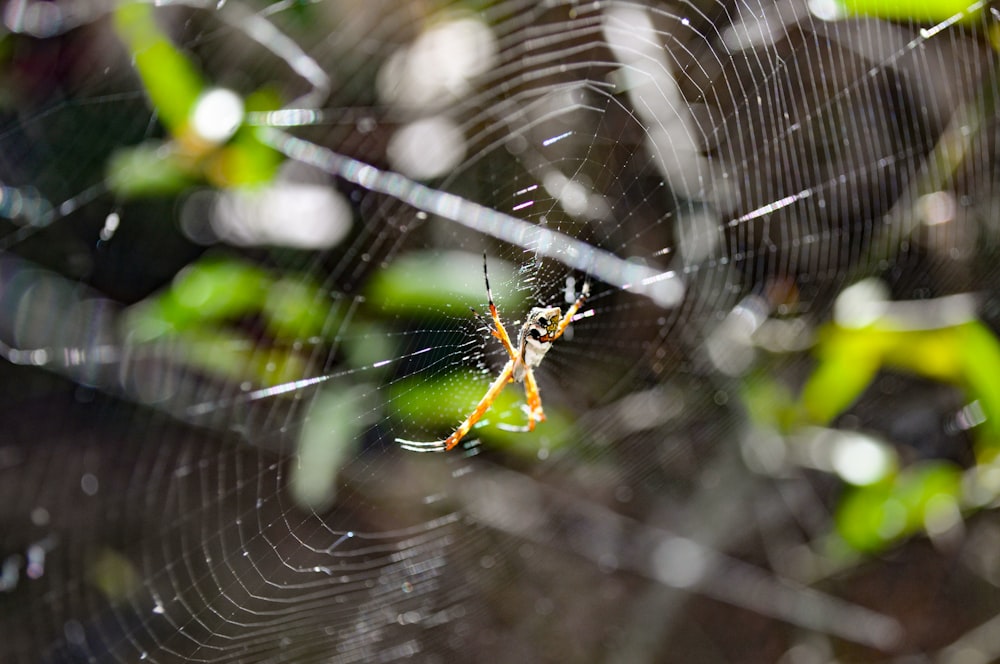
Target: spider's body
x,y
543,326
536,338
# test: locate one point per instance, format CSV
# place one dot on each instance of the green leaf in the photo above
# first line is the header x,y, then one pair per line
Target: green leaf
x,y
236,357
214,290
915,10
849,361
295,308
870,518
171,81
147,170
980,358
245,161
439,283
329,437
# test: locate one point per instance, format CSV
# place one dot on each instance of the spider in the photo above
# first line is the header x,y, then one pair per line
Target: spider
x,y
543,326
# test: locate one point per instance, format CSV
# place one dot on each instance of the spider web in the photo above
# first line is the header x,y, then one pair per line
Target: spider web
x,y
719,172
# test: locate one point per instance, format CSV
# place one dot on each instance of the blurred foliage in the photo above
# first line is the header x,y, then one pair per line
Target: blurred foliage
x,y
328,440
769,403
172,82
921,497
901,501
207,298
217,289
147,170
114,575
175,88
908,501
239,357
234,319
966,355
210,290
916,10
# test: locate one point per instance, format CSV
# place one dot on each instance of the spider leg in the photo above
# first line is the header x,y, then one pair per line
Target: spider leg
x,y
533,407
488,325
484,405
486,322
568,318
499,331
534,399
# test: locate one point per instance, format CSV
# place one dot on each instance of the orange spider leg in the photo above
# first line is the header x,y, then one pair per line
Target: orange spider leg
x,y
498,331
568,318
534,398
496,387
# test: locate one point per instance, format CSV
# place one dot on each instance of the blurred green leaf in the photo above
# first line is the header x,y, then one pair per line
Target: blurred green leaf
x,y
206,297
220,289
368,344
329,436
915,10
865,516
114,575
231,354
172,83
441,402
245,161
931,353
146,170
871,517
438,283
556,432
769,403
295,308
214,290
980,359
848,362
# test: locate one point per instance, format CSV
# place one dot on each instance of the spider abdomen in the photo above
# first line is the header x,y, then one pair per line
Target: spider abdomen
x,y
536,338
